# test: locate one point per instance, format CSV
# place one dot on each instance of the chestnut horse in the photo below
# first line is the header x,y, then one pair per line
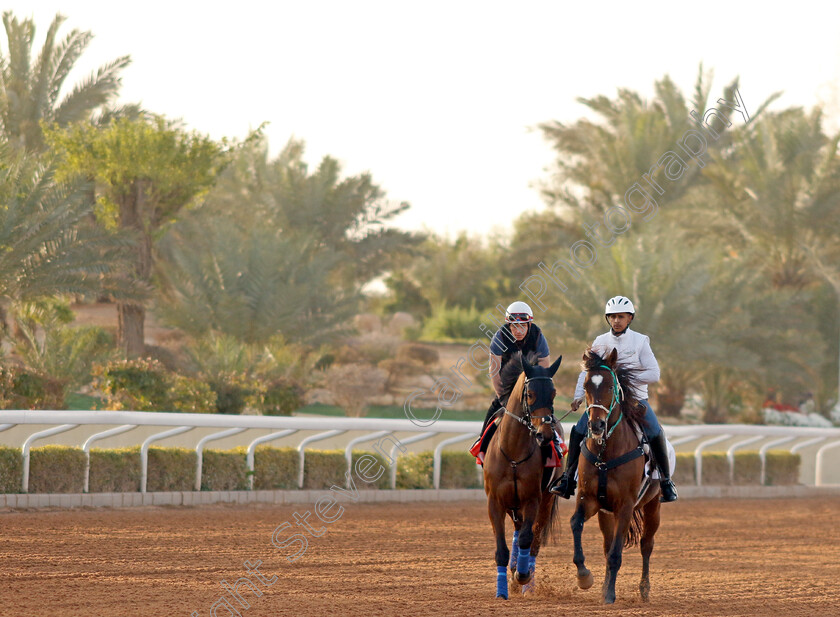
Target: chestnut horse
x,y
513,469
611,474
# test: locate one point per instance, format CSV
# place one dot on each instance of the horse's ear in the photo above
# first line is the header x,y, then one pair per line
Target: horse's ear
x,y
526,366
611,359
554,366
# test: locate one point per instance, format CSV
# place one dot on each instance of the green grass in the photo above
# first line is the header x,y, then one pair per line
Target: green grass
x,y
82,402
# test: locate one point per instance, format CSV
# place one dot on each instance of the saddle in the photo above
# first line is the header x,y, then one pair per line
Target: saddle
x,y
552,454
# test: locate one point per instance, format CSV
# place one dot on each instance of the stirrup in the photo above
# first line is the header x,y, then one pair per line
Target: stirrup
x,y
667,490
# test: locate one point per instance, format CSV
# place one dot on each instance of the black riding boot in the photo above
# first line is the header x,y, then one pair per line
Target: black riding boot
x,y
659,450
566,484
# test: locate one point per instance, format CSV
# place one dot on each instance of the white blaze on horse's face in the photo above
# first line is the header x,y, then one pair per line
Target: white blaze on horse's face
x,y
597,379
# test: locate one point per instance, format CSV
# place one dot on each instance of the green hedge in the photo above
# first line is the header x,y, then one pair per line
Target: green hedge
x,y
56,469
115,471
11,469
60,469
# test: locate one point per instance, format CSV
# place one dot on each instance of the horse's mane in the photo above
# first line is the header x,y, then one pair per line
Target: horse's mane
x,y
628,380
512,370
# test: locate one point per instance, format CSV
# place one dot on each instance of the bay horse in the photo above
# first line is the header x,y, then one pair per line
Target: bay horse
x,y
513,469
610,473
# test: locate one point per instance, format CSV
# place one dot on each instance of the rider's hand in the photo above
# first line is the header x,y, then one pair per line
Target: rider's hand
x,y
575,404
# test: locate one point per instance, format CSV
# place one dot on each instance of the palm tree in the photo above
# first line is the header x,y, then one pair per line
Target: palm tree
x,y
30,91
49,246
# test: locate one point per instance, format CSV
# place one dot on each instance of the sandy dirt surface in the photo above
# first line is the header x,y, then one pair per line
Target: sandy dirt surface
x,y
756,558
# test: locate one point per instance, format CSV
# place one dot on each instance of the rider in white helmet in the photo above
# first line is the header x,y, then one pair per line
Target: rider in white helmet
x,y
519,333
633,352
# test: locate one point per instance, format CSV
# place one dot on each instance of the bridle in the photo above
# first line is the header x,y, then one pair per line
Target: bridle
x,y
617,398
526,419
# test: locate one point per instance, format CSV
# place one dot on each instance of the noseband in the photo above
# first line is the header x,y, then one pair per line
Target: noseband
x,y
525,420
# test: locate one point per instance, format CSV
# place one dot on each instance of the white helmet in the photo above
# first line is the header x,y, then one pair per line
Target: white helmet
x,y
519,312
619,304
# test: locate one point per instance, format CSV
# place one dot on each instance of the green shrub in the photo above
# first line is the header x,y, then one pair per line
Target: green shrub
x,y
414,470
171,469
224,470
279,398
56,469
781,468
114,470
11,470
324,468
233,391
715,469
275,468
145,385
747,469
189,395
22,388
458,470
452,324
383,482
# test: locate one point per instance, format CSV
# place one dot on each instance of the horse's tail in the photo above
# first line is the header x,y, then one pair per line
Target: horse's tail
x,y
635,530
548,529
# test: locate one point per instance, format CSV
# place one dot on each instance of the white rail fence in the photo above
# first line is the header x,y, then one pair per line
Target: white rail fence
x,y
701,437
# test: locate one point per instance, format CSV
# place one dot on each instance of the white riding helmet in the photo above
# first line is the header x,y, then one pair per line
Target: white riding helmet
x,y
519,312
619,304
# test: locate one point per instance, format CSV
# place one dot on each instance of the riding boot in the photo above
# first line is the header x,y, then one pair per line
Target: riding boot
x,y
659,450
566,484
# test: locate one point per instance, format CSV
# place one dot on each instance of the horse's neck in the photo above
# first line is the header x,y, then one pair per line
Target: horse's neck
x,y
514,438
622,440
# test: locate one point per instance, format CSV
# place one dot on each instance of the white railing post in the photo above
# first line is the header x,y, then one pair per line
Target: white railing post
x,y
348,451
405,442
818,473
762,454
94,438
144,451
28,444
439,449
252,447
302,449
199,451
698,455
730,454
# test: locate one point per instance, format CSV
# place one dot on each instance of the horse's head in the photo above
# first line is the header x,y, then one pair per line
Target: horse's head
x,y
602,390
538,397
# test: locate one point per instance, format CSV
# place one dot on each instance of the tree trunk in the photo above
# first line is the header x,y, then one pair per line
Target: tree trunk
x,y
670,392
132,315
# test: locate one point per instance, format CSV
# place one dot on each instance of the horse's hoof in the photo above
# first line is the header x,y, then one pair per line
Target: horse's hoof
x,y
501,597
644,590
529,587
523,577
585,581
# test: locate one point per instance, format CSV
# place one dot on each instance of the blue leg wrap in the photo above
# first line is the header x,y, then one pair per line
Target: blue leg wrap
x,y
501,582
524,562
514,549
533,564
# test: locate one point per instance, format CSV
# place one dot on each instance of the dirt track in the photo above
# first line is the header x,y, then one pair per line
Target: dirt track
x,y
766,558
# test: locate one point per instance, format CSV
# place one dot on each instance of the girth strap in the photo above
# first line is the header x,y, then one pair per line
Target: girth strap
x,y
604,466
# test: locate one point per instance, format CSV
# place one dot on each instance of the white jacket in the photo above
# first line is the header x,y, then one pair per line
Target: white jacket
x,y
634,352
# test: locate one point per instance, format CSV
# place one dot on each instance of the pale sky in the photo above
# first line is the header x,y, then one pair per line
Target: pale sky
x,y
440,100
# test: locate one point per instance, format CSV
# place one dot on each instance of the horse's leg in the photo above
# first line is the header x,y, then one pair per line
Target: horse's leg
x,y
650,516
542,522
526,538
622,520
497,518
581,515
514,544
